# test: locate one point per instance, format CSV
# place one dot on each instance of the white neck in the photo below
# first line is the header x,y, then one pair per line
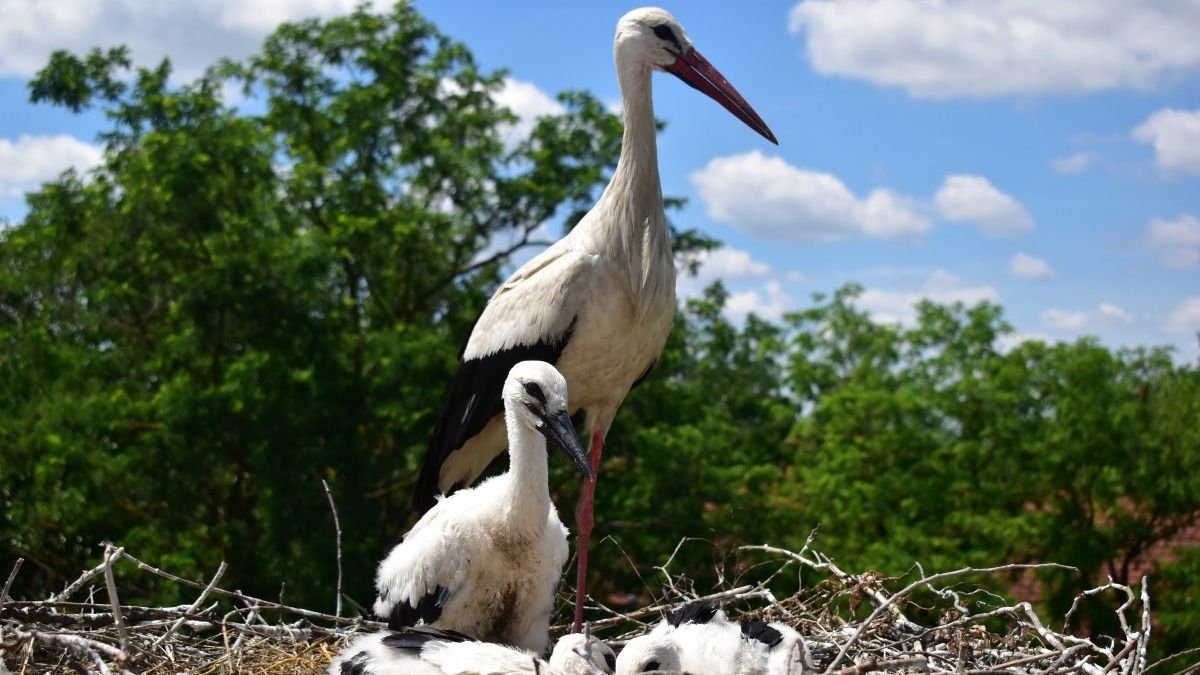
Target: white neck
x,y
637,170
628,220
529,493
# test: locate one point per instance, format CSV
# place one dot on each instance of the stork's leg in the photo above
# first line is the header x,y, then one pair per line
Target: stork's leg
x,y
583,520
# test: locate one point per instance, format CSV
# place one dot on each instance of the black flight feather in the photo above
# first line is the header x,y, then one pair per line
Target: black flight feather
x,y
762,632
416,637
428,609
357,665
475,398
699,611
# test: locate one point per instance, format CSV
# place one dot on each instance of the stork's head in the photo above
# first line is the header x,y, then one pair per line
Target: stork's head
x,y
579,654
535,394
651,653
650,37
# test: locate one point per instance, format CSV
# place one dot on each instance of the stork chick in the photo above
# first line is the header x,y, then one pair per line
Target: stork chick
x,y
700,639
429,651
486,561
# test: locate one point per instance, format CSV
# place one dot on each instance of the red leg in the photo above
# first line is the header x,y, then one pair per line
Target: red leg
x,y
583,520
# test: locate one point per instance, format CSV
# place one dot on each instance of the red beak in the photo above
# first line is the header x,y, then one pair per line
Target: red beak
x,y
698,73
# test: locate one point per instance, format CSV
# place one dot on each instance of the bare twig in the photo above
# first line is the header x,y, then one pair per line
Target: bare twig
x,y
193,607
111,555
79,583
1143,644
928,580
337,527
874,665
11,577
265,604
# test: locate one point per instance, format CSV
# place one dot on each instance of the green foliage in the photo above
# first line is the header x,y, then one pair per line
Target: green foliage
x,y
238,304
926,444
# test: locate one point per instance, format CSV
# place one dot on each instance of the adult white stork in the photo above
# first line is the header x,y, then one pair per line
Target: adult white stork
x,y
486,561
700,639
599,303
429,651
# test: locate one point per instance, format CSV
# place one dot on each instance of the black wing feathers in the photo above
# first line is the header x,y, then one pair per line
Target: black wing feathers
x,y
416,637
762,632
357,665
428,609
699,611
473,401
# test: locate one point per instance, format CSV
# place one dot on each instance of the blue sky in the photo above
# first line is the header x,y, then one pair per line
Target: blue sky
x,y
1042,155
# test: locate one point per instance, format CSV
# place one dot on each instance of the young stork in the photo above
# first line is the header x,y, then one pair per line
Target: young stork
x,y
428,651
699,639
487,561
598,303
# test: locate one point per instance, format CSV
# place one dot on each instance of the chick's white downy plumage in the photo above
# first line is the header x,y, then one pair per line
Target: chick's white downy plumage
x,y
486,561
429,651
700,639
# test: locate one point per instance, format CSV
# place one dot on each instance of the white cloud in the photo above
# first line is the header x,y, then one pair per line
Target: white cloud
x,y
1072,164
1175,135
1176,242
1029,267
730,263
1009,341
982,48
769,197
973,199
528,103
32,160
939,286
1064,320
795,276
1185,318
770,304
1106,313
724,264
193,34
1112,312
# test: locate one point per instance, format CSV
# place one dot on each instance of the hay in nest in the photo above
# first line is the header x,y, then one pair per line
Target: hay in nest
x,y
853,624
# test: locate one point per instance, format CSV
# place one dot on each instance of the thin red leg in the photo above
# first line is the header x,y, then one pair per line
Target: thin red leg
x,y
583,520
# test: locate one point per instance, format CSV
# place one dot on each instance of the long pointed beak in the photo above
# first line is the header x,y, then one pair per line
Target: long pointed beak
x,y
698,73
560,433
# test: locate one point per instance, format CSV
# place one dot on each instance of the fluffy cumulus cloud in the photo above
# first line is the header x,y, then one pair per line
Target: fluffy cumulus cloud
x,y
898,305
1176,242
725,264
1028,267
730,263
528,103
1106,314
973,199
1185,318
29,161
769,197
1175,135
752,286
980,48
770,302
194,34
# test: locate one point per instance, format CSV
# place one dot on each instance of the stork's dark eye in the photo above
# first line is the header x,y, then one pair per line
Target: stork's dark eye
x,y
535,391
664,32
650,665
